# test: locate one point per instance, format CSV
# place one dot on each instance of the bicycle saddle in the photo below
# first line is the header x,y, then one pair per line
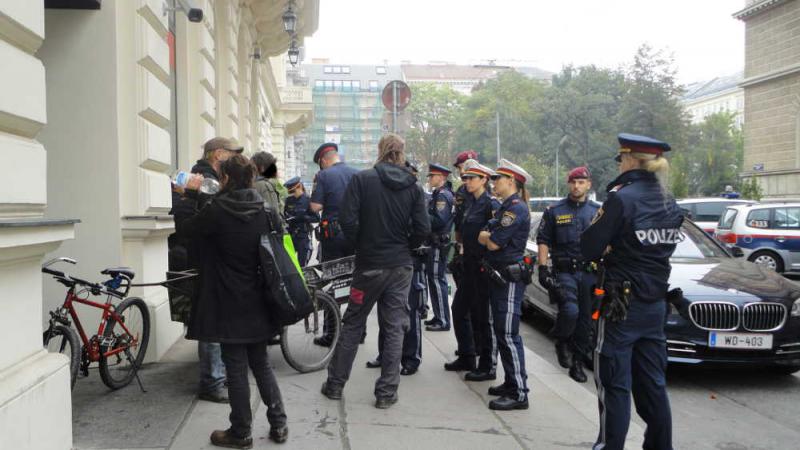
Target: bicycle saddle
x,y
126,272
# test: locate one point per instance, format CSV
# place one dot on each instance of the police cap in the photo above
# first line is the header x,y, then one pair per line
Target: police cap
x,y
633,143
438,169
292,183
325,149
514,171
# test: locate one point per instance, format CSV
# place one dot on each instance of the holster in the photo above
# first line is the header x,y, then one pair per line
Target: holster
x,y
616,301
329,229
494,274
519,272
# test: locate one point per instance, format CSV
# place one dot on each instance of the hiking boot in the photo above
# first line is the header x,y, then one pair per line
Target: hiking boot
x,y
279,435
386,402
331,391
224,438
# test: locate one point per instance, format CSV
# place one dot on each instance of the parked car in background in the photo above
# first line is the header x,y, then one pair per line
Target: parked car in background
x,y
768,233
537,206
705,212
732,311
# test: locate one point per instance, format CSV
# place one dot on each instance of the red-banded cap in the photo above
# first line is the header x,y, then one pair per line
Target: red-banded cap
x,y
514,171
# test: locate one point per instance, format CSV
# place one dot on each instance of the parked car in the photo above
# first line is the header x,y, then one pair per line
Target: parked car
x,y
537,206
706,212
768,234
732,311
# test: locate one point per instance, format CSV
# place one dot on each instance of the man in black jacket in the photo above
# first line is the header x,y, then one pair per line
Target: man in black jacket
x,y
374,217
184,255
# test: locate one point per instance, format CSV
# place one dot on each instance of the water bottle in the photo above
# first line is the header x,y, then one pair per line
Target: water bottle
x,y
209,186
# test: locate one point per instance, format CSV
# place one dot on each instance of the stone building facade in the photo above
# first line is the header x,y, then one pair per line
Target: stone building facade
x,y
772,95
100,102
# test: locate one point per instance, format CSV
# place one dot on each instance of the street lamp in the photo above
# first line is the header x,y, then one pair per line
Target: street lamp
x,y
294,53
289,20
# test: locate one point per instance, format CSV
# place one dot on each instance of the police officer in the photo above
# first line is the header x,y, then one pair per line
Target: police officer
x,y
474,286
635,232
460,309
332,179
572,283
505,238
440,210
299,218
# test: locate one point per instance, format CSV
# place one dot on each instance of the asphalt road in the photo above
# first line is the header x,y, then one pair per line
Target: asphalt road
x,y
726,409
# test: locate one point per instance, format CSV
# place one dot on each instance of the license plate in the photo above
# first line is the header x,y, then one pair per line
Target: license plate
x,y
742,341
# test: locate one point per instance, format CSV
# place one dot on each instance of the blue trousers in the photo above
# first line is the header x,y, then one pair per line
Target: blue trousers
x,y
437,282
212,369
631,357
506,301
302,245
574,320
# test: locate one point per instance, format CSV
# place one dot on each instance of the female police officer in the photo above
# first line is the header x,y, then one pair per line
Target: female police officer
x,y
505,239
637,230
474,285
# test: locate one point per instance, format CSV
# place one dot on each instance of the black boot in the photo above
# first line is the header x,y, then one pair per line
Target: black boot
x,y
502,390
507,404
564,354
461,363
224,438
576,371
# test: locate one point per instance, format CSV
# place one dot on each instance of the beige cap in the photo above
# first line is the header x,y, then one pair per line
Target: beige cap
x,y
217,143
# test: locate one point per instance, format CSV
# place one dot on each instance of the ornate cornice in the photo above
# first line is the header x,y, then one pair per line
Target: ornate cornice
x,y
757,7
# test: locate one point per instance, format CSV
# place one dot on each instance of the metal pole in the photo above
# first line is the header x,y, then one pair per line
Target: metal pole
x,y
555,175
394,107
497,132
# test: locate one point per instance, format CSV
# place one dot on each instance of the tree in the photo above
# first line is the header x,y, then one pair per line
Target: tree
x,y
751,189
714,155
433,112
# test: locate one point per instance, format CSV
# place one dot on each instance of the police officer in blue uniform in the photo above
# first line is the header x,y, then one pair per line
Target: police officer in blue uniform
x,y
505,239
440,210
329,188
328,191
473,300
462,327
635,232
572,280
299,219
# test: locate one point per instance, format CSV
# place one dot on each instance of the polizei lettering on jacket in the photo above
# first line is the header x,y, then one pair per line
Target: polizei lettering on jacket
x,y
656,236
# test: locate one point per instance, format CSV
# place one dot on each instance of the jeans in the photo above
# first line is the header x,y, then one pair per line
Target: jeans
x,y
237,358
388,288
212,369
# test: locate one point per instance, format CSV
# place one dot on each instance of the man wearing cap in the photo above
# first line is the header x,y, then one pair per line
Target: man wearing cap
x,y
185,204
635,232
299,218
440,210
331,182
383,215
571,279
505,239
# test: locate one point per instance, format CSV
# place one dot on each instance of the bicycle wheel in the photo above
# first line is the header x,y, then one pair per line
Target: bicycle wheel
x,y
118,370
297,341
64,340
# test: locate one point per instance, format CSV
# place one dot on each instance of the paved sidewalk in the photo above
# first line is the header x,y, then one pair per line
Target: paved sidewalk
x,y
437,409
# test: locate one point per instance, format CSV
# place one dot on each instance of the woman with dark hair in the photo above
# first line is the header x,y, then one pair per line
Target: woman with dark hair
x,y
229,307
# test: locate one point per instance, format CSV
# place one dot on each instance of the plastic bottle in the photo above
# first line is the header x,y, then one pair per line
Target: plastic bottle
x,y
209,186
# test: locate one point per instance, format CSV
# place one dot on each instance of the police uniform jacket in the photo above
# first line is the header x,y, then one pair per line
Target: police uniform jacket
x,y
510,228
440,210
476,218
329,189
299,216
642,226
462,200
561,227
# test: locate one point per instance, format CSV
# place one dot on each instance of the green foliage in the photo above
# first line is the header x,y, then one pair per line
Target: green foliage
x,y
434,113
751,189
576,120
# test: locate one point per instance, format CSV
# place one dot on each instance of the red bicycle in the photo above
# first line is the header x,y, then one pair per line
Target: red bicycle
x,y
121,340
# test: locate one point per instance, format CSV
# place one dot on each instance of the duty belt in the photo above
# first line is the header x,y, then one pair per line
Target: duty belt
x,y
572,265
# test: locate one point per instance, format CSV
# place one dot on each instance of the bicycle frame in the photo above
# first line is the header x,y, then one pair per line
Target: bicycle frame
x,y
93,352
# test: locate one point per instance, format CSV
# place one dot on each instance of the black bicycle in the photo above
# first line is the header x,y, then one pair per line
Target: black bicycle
x,y
329,283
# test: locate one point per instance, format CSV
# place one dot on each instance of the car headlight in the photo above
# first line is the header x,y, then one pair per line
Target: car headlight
x,y
796,308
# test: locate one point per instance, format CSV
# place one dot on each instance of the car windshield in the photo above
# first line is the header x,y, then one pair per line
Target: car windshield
x,y
726,222
697,245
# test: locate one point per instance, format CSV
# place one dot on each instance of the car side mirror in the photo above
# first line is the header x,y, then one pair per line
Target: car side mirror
x,y
737,252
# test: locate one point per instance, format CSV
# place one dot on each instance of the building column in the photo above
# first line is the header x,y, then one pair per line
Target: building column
x,y
34,384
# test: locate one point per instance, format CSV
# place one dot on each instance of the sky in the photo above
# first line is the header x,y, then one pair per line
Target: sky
x,y
703,37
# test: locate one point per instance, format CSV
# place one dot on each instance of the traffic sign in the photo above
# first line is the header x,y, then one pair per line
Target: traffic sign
x,y
396,94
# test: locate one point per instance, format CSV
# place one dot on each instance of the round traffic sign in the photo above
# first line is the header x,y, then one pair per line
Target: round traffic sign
x,y
396,94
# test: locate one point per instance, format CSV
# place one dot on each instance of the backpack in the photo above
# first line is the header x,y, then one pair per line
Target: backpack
x,y
285,291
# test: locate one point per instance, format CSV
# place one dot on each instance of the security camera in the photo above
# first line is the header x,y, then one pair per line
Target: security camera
x,y
193,14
